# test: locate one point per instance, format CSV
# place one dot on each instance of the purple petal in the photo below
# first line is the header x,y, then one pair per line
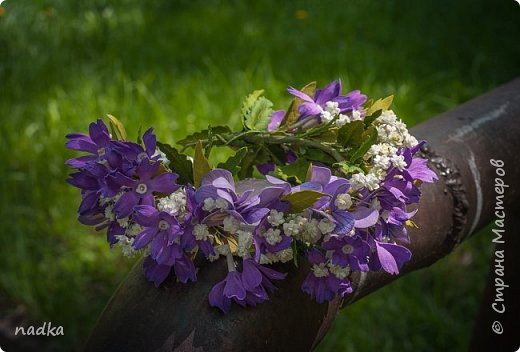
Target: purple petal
x,y
145,237
185,270
365,217
125,204
328,93
146,215
164,183
215,174
276,120
217,299
321,175
309,109
234,287
155,272
392,256
99,133
251,276
344,221
300,95
419,170
265,168
150,141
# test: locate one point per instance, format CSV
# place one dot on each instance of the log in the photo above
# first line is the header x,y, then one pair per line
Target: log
x,y
177,317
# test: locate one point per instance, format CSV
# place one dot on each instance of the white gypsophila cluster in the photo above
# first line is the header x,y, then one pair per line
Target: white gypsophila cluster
x,y
392,134
273,236
162,157
338,271
201,232
133,230
320,270
109,213
332,111
175,204
211,204
231,224
245,240
393,131
360,180
310,231
282,256
326,226
123,222
343,201
275,218
126,244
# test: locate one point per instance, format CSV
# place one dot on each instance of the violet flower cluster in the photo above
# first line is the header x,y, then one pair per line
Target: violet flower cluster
x,y
356,222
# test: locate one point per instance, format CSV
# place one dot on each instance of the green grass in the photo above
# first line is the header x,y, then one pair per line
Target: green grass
x,y
180,65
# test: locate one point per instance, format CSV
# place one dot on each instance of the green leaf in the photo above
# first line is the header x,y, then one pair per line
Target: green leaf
x,y
369,138
295,172
202,135
369,119
117,128
380,104
347,168
260,115
254,157
248,104
233,164
179,163
292,113
313,154
300,201
350,134
139,133
200,165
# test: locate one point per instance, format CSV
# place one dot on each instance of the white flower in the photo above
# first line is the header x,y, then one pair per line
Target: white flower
x,y
275,217
326,226
162,157
291,228
356,115
326,116
309,231
272,236
398,161
133,230
126,245
201,232
285,255
209,204
245,240
109,214
342,120
231,224
338,271
343,201
124,222
320,270
371,182
174,204
221,204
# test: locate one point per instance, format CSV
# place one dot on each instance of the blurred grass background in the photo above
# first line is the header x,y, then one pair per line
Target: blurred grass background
x,y
179,65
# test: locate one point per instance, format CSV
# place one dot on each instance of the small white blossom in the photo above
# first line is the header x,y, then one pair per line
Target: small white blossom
x,y
231,224
309,231
343,201
338,271
162,157
245,240
320,270
126,245
326,226
109,214
124,222
209,204
398,162
133,230
356,115
285,255
275,217
342,120
174,204
221,204
201,232
272,236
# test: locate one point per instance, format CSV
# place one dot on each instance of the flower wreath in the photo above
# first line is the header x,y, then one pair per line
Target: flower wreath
x,y
332,179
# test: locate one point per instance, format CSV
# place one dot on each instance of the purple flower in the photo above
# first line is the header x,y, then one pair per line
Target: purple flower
x,y
320,283
154,271
226,290
331,93
348,250
219,196
97,143
160,229
140,192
